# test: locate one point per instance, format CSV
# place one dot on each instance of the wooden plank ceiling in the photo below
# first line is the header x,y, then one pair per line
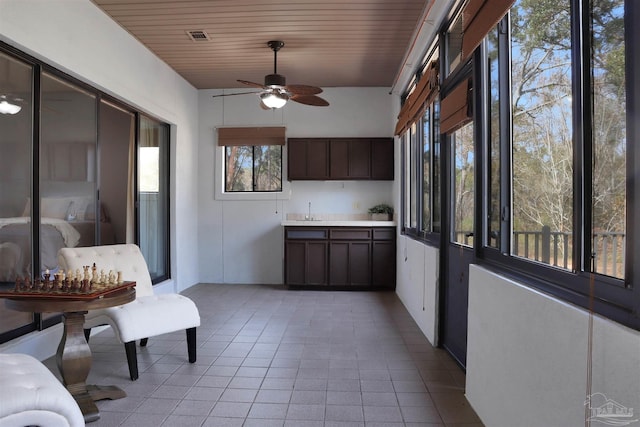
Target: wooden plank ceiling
x,y
328,43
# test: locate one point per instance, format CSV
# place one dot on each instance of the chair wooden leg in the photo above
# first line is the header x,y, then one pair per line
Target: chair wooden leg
x,y
143,342
87,334
191,344
132,360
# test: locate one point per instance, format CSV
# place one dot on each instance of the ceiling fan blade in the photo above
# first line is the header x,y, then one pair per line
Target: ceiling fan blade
x,y
252,84
313,100
233,94
303,89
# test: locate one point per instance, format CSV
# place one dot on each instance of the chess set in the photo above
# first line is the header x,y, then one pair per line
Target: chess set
x,y
85,284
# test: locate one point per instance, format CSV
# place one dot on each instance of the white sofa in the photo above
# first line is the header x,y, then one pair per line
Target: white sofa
x,y
30,395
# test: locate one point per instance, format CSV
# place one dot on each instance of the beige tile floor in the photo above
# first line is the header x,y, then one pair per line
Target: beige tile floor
x,y
273,357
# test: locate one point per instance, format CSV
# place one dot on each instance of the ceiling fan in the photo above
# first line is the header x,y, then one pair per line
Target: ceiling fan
x,y
275,90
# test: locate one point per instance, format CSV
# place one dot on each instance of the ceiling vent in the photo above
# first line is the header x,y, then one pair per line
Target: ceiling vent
x,y
198,35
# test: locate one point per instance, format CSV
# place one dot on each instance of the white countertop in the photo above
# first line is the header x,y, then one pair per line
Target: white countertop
x,y
329,223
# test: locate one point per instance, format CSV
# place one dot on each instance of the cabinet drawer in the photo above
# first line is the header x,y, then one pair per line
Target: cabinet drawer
x,y
384,234
306,233
350,234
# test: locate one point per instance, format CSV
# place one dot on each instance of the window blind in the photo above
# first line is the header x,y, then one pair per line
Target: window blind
x,y
455,109
235,136
418,101
478,18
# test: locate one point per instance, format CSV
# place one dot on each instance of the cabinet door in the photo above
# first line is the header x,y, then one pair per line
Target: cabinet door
x,y
360,159
339,263
297,158
350,158
360,263
382,158
317,159
339,159
306,262
350,263
316,263
295,262
384,264
308,158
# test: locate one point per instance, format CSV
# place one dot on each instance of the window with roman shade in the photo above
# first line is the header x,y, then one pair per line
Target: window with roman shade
x,y
252,158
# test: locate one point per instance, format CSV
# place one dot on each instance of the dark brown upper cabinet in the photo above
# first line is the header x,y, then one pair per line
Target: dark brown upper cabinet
x,y
350,159
340,159
382,159
308,158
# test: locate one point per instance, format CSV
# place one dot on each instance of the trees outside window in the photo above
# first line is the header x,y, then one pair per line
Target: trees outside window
x,y
552,175
542,126
463,191
253,168
551,157
556,153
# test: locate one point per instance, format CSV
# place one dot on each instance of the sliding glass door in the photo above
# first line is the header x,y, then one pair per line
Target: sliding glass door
x,y
77,168
16,174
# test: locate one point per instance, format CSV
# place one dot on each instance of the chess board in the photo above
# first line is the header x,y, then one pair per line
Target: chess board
x,y
55,290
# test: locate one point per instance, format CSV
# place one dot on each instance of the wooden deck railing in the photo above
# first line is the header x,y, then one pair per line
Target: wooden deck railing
x,y
555,247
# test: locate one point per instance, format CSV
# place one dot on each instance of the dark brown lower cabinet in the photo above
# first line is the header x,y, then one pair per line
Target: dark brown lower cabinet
x,y
340,258
306,260
350,263
383,260
308,263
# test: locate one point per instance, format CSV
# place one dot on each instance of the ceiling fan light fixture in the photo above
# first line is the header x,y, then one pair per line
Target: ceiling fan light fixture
x,y
273,100
8,108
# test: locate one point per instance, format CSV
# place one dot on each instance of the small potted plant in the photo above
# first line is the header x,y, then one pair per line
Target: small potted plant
x,y
381,212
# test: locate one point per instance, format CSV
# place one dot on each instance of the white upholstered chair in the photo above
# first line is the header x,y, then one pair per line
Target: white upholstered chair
x,y
30,395
148,315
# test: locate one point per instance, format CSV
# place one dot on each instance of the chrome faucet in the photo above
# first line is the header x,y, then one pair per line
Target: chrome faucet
x,y
309,218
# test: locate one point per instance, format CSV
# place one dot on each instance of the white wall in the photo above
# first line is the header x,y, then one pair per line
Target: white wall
x,y
78,38
249,230
527,356
417,284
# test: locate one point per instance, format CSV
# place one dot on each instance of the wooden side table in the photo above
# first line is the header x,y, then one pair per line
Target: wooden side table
x,y
74,354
